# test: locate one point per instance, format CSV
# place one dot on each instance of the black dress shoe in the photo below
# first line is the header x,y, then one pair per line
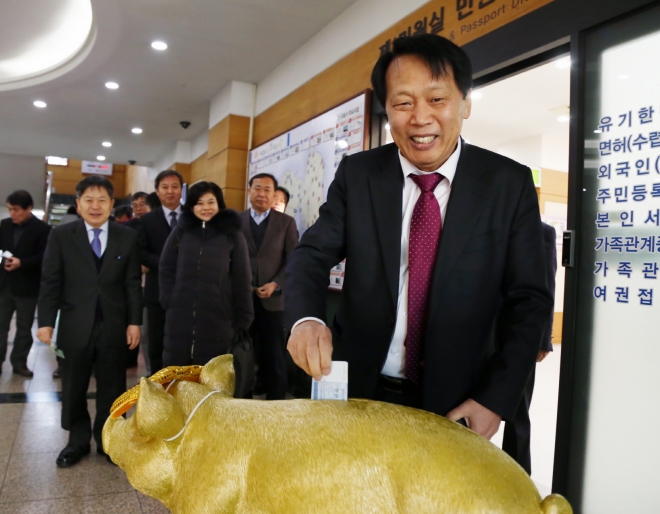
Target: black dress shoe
x,y
23,371
56,373
71,455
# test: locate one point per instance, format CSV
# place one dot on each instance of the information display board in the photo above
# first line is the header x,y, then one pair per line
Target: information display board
x,y
304,160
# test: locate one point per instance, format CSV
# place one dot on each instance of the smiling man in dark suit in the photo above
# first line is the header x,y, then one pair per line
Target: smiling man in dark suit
x,y
91,273
25,237
271,236
439,237
154,228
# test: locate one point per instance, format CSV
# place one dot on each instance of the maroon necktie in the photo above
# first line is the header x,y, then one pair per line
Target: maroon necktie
x,y
425,230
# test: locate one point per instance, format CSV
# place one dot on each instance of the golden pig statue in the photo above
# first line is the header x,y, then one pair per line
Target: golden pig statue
x,y
198,450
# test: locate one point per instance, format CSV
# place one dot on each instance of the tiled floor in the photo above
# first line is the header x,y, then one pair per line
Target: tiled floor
x,y
31,439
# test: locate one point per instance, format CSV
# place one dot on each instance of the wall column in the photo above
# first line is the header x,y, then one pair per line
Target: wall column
x,y
229,133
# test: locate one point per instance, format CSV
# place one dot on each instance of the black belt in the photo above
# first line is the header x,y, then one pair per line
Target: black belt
x,y
393,384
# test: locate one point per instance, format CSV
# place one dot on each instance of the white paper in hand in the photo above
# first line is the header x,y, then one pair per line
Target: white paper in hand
x,y
333,386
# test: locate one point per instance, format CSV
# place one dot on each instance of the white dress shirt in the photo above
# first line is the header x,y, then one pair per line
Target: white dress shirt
x,y
395,362
168,218
103,236
258,218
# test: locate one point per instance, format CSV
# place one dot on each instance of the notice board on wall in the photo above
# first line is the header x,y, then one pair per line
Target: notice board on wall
x,y
304,159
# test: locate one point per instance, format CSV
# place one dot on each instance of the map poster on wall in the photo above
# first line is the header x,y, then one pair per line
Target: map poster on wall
x,y
305,159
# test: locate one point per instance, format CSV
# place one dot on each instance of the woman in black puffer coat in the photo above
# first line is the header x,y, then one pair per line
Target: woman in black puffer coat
x,y
205,280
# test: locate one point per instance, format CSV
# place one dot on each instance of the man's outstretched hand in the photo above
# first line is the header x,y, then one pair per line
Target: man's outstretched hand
x,y
479,419
310,346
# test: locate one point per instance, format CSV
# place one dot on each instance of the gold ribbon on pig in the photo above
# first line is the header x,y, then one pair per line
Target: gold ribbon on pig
x,y
124,403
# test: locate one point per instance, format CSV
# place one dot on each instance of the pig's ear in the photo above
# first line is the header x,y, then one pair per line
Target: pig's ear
x,y
157,414
218,374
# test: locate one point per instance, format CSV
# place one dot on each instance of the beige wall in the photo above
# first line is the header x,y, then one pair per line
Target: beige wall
x,y
65,178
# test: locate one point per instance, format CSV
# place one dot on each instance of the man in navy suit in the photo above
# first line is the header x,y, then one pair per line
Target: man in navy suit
x,y
154,228
420,333
25,237
91,274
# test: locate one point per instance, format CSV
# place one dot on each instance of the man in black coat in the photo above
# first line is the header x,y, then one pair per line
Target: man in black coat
x,y
425,339
25,237
517,432
91,274
154,228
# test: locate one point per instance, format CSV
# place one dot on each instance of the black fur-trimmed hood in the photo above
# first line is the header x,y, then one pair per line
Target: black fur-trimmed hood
x,y
227,220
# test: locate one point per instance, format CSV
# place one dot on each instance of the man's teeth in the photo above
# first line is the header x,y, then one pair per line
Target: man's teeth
x,y
423,140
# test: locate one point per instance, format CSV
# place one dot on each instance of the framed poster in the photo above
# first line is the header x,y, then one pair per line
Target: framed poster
x,y
304,159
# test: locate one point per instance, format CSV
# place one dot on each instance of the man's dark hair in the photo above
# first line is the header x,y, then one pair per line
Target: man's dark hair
x,y
123,210
198,190
20,198
94,181
168,173
153,201
439,53
287,195
263,175
138,195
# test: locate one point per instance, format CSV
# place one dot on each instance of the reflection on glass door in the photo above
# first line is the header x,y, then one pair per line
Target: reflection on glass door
x,y
614,467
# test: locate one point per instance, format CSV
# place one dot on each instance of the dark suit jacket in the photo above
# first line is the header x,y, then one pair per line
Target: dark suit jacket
x,y
268,264
71,283
490,261
24,281
550,250
153,231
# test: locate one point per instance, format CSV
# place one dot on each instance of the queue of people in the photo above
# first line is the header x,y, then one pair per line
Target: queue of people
x,y
445,303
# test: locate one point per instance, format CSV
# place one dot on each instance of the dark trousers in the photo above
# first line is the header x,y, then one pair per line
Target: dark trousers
x,y
24,308
156,321
518,432
270,350
108,359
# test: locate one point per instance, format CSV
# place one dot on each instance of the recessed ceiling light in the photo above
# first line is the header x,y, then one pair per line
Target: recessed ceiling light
x,y
136,130
624,77
40,104
563,118
112,85
387,126
598,131
476,95
100,157
563,63
159,45
107,144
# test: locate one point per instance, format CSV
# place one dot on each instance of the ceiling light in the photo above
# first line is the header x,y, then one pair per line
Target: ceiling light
x,y
476,95
563,63
563,118
624,77
112,85
40,104
598,131
136,130
107,144
159,45
100,157
387,126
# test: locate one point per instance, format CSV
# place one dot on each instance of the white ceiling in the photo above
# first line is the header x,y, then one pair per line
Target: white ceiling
x,y
211,42
525,105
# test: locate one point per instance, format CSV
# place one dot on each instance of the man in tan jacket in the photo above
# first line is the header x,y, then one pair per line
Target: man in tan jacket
x,y
271,236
